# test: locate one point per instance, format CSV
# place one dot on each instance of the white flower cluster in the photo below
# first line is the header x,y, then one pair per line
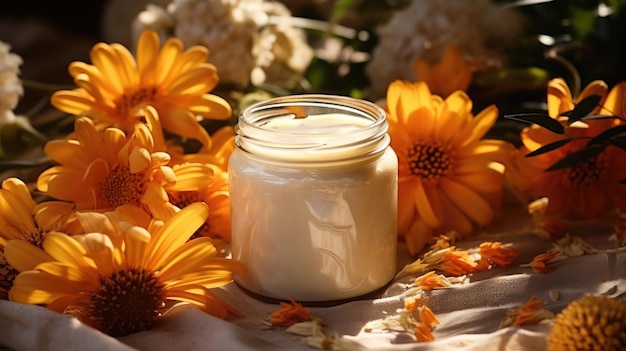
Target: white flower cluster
x,y
424,28
250,41
10,85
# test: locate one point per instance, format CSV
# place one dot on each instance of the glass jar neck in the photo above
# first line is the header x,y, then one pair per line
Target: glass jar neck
x,y
312,128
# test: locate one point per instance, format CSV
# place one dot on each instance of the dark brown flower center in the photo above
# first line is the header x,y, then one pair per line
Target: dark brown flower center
x,y
127,301
121,187
586,173
429,160
128,104
7,276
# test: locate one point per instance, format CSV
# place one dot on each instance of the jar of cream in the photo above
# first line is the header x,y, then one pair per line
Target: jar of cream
x,y
313,191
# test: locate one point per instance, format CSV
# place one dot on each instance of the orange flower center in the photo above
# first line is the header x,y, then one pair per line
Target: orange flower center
x,y
121,187
128,103
126,302
587,173
429,160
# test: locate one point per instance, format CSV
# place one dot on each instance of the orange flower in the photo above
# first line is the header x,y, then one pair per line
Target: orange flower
x,y
216,195
117,87
103,169
290,314
493,253
23,219
450,74
457,263
540,262
450,179
588,189
430,281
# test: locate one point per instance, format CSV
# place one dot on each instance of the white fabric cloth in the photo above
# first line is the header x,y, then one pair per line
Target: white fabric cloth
x,y
469,313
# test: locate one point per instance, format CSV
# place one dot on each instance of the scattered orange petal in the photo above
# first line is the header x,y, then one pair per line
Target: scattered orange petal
x,y
493,253
527,312
430,281
423,333
290,314
457,263
539,263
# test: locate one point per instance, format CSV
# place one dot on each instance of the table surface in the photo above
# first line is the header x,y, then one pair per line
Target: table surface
x,y
470,313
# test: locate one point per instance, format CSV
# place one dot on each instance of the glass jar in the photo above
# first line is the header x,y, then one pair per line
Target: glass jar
x,y
313,191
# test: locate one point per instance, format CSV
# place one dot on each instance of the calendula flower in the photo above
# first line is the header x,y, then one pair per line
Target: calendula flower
x,y
424,29
449,177
217,194
449,74
530,312
21,218
120,277
494,253
587,189
100,170
592,322
289,314
115,90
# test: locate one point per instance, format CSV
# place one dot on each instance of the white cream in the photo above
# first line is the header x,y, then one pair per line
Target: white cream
x,y
322,228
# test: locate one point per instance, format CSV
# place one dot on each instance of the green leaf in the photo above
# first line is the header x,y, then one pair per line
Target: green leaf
x,y
339,10
548,147
539,119
607,134
583,108
576,157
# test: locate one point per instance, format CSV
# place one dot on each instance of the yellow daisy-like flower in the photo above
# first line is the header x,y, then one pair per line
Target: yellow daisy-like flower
x,y
118,277
176,82
216,195
23,219
449,178
450,74
593,322
100,170
588,189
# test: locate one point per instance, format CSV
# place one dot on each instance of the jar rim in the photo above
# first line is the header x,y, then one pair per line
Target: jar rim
x,y
289,145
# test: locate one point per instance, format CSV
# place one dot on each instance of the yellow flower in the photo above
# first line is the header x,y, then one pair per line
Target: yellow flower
x,y
449,179
115,89
23,219
118,277
216,195
590,323
100,170
588,189
450,74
